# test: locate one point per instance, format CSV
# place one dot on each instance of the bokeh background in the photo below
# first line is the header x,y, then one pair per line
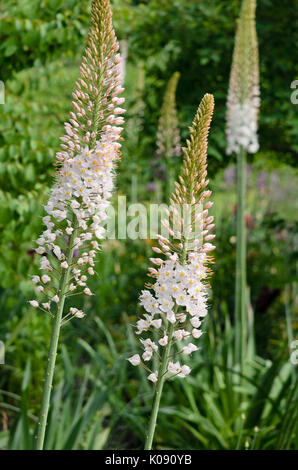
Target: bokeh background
x,y
99,400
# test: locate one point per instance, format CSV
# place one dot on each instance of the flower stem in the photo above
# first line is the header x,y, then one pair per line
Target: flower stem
x,y
49,374
240,286
158,390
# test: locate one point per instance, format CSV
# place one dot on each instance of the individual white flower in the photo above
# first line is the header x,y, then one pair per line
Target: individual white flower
x,y
79,314
46,305
149,344
64,265
45,278
39,289
166,305
171,317
196,333
185,370
174,367
195,322
36,279
135,360
147,354
181,317
179,335
163,341
34,303
55,299
190,348
87,291
157,323
153,377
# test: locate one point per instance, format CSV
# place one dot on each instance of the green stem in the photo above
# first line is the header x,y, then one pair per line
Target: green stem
x,y
162,370
49,374
240,287
158,391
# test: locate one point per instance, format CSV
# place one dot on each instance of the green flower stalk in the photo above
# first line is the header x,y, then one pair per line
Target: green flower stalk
x,y
242,123
84,182
168,133
178,298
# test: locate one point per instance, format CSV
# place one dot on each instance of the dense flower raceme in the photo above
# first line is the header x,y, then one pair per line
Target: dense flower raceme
x,y
177,301
81,195
77,205
176,286
244,95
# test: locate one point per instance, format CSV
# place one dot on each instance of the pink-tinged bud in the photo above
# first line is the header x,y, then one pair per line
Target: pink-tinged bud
x,y
118,120
152,271
207,193
119,111
207,247
156,261
205,213
163,239
208,205
157,250
165,247
118,101
209,220
84,84
210,237
210,227
75,106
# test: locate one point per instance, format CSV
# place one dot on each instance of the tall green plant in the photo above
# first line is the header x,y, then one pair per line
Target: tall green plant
x,y
81,193
242,115
179,292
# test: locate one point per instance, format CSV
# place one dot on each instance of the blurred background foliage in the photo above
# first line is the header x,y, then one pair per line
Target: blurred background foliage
x,y
100,401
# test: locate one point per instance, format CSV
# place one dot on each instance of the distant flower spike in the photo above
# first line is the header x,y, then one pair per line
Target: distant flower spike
x,y
168,134
244,95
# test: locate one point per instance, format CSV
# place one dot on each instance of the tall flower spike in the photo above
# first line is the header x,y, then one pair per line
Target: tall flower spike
x,y
78,201
177,300
83,187
168,135
244,95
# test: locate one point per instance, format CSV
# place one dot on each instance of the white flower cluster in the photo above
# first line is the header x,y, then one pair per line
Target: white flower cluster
x,y
75,212
179,297
242,126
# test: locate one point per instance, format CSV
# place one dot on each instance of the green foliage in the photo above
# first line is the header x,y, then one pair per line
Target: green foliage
x,y
99,400
33,31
